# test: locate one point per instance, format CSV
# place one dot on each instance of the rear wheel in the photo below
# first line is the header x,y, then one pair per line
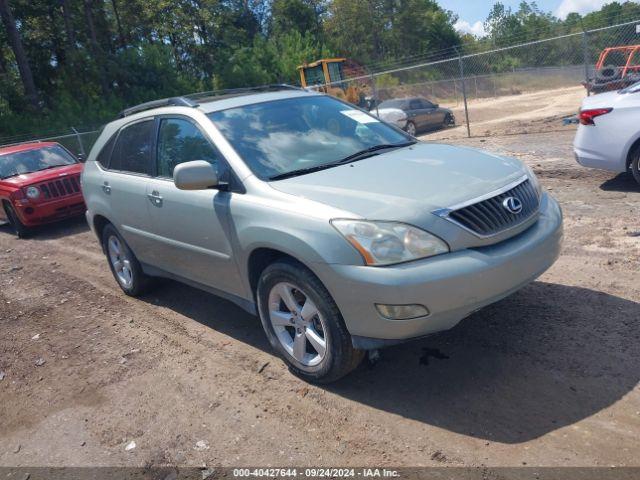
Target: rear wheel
x,y
303,323
635,164
123,263
411,129
20,228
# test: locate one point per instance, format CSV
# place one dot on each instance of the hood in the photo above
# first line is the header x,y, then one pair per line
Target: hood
x,y
43,175
405,183
390,114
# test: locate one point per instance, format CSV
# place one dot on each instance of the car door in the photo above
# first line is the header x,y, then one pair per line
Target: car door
x,y
416,113
435,116
124,185
191,227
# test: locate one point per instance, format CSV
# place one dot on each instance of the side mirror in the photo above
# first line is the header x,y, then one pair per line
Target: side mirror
x,y
435,105
81,157
195,175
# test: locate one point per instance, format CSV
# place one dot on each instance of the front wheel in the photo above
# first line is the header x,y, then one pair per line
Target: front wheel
x,y
449,120
411,129
635,165
303,323
22,231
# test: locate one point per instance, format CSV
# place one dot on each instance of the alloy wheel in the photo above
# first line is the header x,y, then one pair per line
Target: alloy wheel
x,y
120,262
298,324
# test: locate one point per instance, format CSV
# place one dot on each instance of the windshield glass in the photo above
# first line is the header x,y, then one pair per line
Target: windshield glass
x,y
35,160
635,88
275,138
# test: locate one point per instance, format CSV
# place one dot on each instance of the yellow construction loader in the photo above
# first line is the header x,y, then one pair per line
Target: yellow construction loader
x,y
329,75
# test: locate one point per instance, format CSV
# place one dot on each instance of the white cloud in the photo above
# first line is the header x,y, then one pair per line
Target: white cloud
x,y
579,6
476,29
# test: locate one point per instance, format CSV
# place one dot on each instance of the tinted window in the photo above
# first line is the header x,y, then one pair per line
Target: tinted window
x,y
278,137
401,104
415,104
427,104
132,152
105,154
181,141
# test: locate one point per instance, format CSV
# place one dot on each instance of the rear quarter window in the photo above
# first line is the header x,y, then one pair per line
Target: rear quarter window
x,y
104,156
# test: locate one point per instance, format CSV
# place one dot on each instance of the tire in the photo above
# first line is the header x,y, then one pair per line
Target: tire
x,y
315,323
410,128
635,164
22,231
123,263
449,120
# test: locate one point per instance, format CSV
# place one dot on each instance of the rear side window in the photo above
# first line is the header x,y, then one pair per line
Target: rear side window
x,y
132,152
105,154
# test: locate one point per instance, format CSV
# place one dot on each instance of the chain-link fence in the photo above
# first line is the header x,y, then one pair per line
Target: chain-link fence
x,y
525,88
78,143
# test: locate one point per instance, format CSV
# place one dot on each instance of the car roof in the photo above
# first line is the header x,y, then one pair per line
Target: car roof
x,y
234,101
22,147
209,104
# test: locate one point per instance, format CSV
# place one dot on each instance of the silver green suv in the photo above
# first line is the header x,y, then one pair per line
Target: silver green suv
x,y
343,233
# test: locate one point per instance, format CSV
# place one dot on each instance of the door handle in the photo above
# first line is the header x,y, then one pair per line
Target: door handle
x,y
155,198
106,188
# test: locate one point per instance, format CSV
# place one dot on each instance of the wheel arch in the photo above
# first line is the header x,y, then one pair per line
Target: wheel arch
x,y
99,224
261,257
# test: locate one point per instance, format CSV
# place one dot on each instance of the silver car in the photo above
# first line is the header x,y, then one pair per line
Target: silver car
x,y
344,234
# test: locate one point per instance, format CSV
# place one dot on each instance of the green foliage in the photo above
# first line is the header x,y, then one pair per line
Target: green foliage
x,y
91,58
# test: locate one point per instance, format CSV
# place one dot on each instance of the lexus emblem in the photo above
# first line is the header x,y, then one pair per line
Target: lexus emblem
x,y
512,205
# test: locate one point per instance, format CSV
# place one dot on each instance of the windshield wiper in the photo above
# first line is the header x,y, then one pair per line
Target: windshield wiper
x,y
354,157
368,152
15,175
302,171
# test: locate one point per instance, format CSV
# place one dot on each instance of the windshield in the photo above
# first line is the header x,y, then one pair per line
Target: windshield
x,y
635,88
275,138
29,161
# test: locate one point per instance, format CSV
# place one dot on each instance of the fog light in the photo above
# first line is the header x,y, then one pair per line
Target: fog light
x,y
402,312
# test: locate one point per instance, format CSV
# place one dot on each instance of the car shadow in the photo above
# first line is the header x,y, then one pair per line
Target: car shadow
x,y
544,358
623,182
51,231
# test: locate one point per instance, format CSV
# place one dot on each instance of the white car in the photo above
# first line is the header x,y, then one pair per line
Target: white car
x,y
393,116
608,137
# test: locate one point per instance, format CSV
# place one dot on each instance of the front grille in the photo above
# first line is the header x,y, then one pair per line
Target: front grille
x,y
490,217
62,187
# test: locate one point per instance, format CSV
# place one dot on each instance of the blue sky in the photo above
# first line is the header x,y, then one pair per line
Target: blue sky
x,y
473,13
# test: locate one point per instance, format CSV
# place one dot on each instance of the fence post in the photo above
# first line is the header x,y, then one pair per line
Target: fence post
x,y
80,144
375,92
585,53
464,92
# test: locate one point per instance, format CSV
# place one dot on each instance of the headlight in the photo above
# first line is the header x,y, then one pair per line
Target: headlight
x,y
33,192
384,243
534,180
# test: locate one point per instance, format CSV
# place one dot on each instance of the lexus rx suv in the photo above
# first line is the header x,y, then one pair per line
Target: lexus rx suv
x,y
341,232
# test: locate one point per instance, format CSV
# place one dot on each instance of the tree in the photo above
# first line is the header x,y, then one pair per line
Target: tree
x,y
18,50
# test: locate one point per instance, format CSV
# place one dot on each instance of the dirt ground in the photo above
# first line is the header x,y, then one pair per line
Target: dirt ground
x,y
528,112
546,377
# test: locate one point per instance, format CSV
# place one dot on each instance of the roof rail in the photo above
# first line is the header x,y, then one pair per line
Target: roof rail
x,y
194,99
165,102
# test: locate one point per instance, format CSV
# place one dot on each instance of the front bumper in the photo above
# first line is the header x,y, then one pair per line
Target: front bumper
x,y
451,286
32,214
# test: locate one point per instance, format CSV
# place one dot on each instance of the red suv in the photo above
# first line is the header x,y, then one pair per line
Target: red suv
x,y
39,183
